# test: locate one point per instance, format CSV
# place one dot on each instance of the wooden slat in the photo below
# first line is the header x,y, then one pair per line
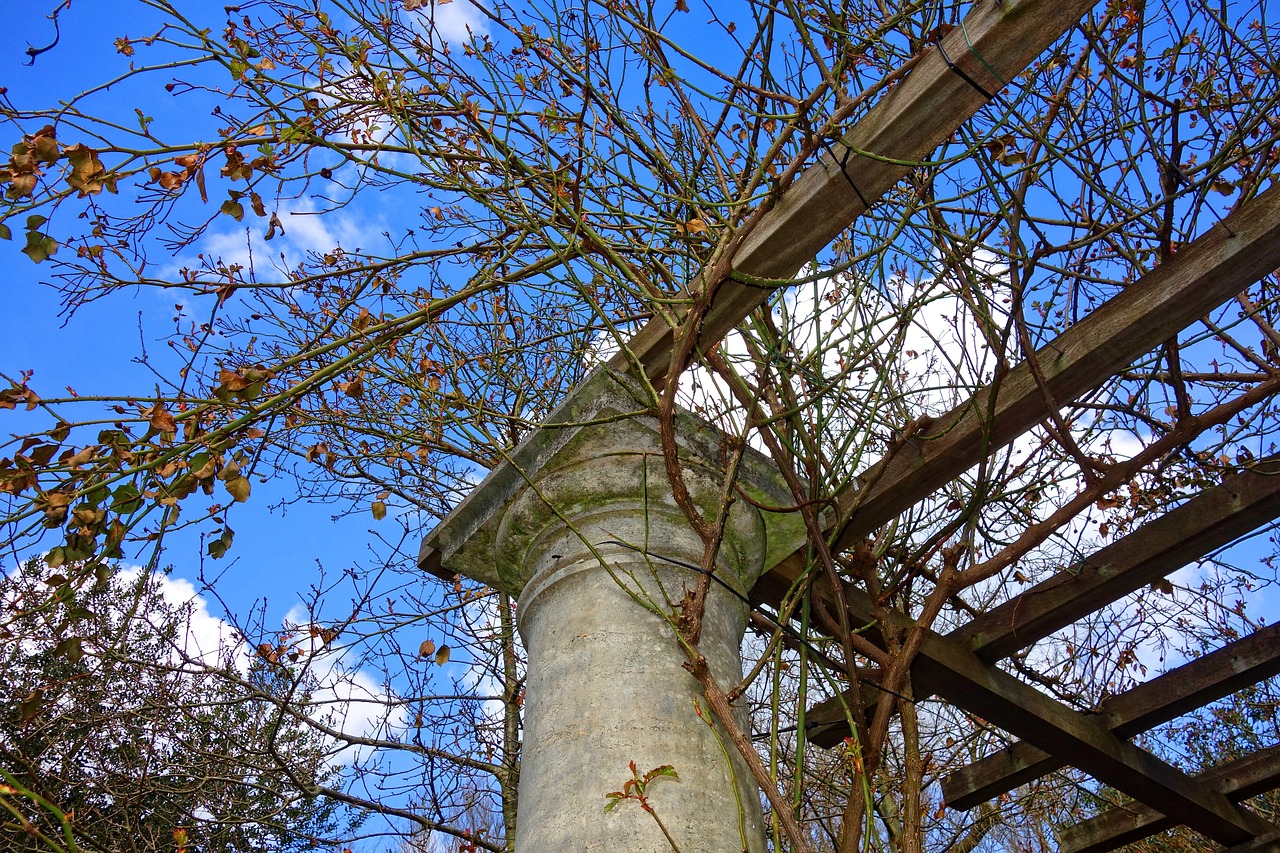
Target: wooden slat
x,y
1206,679
905,125
1210,520
956,674
1237,780
1204,274
826,725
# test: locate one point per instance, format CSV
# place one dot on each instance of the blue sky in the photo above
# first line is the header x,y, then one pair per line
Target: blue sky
x,y
275,553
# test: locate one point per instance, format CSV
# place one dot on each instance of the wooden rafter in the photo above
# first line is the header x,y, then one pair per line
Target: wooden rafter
x,y
1210,270
995,43
1210,520
1206,679
1237,780
1267,843
956,674
1214,518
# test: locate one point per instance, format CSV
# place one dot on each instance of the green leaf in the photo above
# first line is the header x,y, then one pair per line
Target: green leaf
x,y
664,770
35,220
31,706
239,488
218,547
70,648
96,495
125,499
5,233
379,510
39,246
234,209
442,656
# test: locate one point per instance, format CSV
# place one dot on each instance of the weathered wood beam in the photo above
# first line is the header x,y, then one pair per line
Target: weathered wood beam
x,y
1237,780
909,122
1206,679
1214,518
1210,520
956,674
1204,274
826,723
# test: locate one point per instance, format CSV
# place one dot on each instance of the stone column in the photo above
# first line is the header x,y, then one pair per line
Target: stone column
x,y
605,682
564,525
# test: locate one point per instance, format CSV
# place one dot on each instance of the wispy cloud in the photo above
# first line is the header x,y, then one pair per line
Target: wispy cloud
x,y
344,698
304,229
449,20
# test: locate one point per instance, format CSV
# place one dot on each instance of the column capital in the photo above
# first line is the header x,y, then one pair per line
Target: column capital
x,y
601,445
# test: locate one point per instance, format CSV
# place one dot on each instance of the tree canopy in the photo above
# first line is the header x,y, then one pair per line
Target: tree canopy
x,y
115,720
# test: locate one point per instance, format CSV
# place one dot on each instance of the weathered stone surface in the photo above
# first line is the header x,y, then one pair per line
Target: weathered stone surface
x,y
464,542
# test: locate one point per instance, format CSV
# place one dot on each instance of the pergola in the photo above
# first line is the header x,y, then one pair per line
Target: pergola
x,y
518,528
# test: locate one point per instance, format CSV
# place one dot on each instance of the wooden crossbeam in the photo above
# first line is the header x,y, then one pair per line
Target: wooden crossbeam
x,y
996,43
1206,679
1210,520
1206,522
1216,266
1237,780
956,674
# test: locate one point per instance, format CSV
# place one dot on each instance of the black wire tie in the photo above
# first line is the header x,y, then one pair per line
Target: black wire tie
x,y
961,72
843,163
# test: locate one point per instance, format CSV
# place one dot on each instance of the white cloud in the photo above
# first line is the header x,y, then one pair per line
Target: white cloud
x,y
349,700
204,637
450,20
852,334
345,699
304,229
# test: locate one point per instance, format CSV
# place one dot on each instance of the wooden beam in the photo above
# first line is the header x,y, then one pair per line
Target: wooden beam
x,y
1220,673
1208,271
1206,679
1237,780
905,125
827,725
1213,268
956,674
1212,519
